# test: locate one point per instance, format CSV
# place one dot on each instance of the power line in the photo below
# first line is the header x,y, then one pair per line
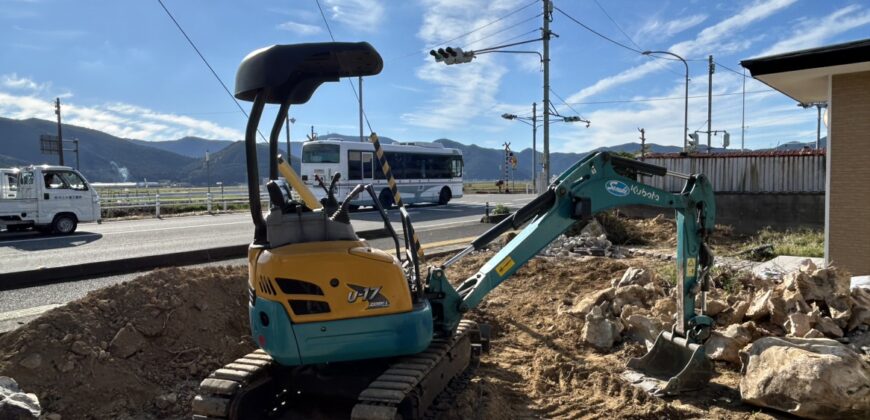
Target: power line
x,y
670,98
566,104
505,29
616,24
226,89
635,50
731,70
515,11
350,82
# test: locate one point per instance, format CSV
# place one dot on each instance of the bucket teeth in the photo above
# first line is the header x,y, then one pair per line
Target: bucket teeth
x,y
672,366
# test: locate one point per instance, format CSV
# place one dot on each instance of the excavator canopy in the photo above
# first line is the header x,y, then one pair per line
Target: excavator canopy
x,y
291,73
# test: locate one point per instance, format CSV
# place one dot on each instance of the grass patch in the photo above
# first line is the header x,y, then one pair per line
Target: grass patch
x,y
500,209
769,243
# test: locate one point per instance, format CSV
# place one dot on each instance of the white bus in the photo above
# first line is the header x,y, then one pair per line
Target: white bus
x,y
424,172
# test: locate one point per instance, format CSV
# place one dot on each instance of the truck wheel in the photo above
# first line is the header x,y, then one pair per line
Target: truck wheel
x,y
386,199
64,224
445,196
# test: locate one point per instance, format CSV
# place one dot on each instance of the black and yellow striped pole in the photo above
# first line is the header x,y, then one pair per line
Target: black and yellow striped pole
x,y
391,181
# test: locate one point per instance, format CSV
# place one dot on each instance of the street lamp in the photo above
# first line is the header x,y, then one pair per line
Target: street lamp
x,y
534,124
686,110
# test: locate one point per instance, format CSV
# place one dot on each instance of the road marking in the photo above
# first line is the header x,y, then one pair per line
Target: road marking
x,y
23,313
82,235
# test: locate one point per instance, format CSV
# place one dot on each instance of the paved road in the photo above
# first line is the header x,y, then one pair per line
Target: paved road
x,y
22,305
114,240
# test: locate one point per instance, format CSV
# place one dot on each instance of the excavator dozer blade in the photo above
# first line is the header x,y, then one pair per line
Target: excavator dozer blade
x,y
670,367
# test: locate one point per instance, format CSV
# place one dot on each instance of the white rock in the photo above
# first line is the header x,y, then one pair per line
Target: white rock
x,y
812,378
798,324
758,308
598,331
725,345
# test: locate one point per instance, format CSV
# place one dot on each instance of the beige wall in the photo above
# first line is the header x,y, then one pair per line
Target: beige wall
x,y
848,196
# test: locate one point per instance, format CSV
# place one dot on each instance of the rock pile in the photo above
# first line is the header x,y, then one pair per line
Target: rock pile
x,y
823,324
592,240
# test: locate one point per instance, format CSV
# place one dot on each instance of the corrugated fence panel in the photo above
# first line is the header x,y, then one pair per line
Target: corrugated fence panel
x,y
746,173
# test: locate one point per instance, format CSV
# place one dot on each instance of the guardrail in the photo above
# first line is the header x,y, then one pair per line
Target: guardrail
x,y
194,200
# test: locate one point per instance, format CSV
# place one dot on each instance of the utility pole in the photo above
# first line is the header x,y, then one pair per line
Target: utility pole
x,y
710,104
545,34
59,133
642,144
207,175
534,146
289,150
361,138
743,116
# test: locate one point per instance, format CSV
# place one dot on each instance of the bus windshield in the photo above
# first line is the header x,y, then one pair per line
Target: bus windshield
x,y
320,153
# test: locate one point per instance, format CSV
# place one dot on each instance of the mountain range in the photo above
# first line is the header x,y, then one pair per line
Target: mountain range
x,y
107,158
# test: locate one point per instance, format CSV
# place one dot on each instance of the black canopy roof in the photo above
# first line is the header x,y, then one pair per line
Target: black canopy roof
x,y
294,72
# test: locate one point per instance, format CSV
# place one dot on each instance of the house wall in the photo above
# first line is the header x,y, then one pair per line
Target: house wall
x,y
848,192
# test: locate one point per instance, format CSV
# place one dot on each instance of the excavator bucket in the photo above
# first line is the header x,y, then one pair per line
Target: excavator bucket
x,y
671,367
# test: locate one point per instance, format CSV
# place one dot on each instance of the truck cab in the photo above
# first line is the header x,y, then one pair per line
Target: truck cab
x,y
51,199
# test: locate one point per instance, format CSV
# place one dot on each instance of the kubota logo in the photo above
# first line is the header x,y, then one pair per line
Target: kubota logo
x,y
617,188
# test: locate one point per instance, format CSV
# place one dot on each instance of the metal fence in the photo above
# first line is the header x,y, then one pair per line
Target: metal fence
x,y
774,172
152,200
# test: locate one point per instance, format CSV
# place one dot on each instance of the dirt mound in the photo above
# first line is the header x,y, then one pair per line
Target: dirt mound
x,y
539,366
134,350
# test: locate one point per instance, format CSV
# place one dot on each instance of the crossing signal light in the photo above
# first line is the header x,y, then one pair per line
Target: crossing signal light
x,y
451,55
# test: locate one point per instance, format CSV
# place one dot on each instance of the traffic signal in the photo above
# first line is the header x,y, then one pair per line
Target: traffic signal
x,y
452,55
726,139
693,139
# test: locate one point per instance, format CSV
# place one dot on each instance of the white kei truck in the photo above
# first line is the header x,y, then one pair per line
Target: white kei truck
x,y
50,199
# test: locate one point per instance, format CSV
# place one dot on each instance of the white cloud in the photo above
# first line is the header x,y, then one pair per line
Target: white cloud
x,y
722,37
298,28
12,81
465,91
815,32
362,15
118,119
655,29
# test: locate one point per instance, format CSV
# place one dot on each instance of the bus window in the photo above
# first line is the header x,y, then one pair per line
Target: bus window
x,y
354,165
456,167
320,153
367,165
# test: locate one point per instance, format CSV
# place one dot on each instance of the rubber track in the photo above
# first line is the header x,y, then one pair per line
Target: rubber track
x,y
380,401
217,392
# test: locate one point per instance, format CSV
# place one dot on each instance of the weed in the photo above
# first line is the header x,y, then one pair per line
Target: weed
x,y
800,242
500,209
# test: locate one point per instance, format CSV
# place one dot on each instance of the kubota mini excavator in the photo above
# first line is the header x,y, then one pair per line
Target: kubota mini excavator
x,y
335,317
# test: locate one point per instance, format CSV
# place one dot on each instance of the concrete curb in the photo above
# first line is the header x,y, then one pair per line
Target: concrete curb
x,y
30,278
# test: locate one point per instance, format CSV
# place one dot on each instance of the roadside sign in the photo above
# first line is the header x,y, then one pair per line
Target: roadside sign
x,y
49,144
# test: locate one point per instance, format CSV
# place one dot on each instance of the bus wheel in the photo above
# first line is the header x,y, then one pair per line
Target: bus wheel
x,y
386,199
64,224
445,196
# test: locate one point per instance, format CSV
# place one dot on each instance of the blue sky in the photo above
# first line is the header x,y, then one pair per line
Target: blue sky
x,y
123,67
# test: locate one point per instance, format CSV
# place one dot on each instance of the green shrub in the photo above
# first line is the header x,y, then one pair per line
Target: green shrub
x,y
500,209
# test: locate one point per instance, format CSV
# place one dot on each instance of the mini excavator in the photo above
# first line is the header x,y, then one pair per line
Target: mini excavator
x,y
335,318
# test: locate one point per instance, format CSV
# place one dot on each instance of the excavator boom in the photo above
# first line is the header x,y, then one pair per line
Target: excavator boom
x,y
599,182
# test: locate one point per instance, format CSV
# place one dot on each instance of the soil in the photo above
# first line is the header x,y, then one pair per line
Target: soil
x,y
538,366
173,328
139,349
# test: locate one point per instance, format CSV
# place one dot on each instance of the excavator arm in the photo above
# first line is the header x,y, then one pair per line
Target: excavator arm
x,y
596,183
